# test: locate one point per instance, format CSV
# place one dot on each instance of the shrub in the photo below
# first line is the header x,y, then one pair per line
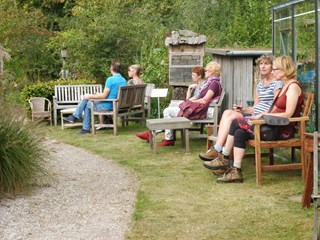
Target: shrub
x,y
22,155
46,89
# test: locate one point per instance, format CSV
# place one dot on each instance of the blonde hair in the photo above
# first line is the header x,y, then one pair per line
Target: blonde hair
x,y
136,68
215,68
286,64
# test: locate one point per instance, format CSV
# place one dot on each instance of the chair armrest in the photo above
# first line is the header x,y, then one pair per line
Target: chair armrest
x,y
104,100
295,119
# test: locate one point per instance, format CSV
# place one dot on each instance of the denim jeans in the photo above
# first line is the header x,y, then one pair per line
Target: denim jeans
x,y
85,106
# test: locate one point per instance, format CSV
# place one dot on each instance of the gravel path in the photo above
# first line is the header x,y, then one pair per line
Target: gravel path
x,y
88,197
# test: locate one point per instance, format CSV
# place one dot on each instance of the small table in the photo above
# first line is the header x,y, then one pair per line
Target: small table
x,y
169,123
308,183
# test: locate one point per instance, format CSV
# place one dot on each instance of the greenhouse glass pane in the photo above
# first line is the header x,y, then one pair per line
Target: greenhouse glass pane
x,y
283,31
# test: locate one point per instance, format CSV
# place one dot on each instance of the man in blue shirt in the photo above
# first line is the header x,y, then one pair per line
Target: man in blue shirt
x,y
111,89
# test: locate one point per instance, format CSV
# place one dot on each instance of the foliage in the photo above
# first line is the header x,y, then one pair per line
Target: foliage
x,y
22,155
46,89
96,32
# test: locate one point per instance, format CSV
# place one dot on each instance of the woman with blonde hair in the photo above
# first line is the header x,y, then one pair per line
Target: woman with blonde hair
x,y
134,72
287,104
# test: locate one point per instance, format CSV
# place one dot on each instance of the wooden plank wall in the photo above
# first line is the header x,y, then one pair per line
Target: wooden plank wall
x,y
237,79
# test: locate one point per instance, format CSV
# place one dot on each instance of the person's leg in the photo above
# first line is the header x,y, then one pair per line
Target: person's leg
x,y
78,112
87,115
234,173
224,127
169,112
81,107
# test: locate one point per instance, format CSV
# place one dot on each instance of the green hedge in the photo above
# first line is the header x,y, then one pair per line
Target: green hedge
x,y
46,89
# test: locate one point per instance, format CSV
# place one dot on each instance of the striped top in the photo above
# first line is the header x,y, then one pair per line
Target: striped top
x,y
266,95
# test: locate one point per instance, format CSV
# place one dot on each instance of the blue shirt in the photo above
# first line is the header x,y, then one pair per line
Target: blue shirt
x,y
113,83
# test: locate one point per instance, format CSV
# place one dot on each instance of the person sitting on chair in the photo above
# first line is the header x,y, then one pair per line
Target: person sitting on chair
x,y
266,90
287,104
134,73
205,92
111,89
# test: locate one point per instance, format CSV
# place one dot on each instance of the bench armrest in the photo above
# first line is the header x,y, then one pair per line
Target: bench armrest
x,y
104,100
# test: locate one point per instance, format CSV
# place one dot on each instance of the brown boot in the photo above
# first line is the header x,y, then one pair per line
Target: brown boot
x,y
209,155
219,162
219,172
232,175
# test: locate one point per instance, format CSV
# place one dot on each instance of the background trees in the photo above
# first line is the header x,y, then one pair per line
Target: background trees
x,y
95,32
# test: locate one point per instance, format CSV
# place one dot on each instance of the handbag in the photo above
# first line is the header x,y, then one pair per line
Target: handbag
x,y
272,130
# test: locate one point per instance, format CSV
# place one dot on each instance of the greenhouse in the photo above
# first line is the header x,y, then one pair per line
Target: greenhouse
x,y
295,32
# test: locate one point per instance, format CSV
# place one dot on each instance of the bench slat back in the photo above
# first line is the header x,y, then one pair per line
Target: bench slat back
x,y
74,93
132,96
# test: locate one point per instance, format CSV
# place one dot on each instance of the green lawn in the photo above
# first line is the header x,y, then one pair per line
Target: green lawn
x,y
180,199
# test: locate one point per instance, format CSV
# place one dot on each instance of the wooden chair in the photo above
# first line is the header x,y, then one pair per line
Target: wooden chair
x,y
296,142
40,108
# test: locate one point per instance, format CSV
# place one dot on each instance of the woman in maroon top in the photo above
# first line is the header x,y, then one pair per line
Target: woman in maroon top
x,y
288,104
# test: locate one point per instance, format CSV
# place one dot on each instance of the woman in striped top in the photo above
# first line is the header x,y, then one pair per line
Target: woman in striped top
x,y
266,91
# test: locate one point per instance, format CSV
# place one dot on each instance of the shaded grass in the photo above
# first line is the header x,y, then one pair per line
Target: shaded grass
x,y
179,199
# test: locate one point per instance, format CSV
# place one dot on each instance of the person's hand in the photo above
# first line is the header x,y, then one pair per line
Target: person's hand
x,y
237,108
256,117
87,96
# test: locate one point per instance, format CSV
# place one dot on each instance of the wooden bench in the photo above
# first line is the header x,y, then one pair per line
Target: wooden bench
x,y
169,123
130,101
69,96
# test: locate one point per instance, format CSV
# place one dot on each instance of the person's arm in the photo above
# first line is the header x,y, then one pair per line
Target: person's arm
x,y
191,89
209,95
102,95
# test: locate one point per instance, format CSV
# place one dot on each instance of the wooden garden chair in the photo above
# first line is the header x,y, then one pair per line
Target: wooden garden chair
x,y
296,142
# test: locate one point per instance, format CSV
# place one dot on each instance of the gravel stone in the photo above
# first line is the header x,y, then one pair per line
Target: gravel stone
x,y
86,197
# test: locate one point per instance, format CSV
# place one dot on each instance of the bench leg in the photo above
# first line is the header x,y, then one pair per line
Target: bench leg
x,y
153,143
185,139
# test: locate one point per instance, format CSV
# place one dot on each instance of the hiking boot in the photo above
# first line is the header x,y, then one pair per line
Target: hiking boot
x,y
144,136
166,143
219,162
209,155
83,131
71,119
232,175
219,172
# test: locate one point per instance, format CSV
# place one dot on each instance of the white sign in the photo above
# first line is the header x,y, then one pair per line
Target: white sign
x,y
159,92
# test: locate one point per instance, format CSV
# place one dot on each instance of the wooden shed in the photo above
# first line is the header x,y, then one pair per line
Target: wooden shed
x,y
239,73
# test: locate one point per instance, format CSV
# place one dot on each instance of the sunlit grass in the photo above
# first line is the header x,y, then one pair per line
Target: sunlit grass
x,y
180,199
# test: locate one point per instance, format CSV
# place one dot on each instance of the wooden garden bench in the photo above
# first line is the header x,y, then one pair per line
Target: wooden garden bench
x,y
130,101
69,96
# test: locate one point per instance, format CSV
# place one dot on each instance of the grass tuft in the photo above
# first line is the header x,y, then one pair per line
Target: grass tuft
x,y
21,152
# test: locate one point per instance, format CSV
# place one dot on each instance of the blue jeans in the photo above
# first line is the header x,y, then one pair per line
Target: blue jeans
x,y
85,106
